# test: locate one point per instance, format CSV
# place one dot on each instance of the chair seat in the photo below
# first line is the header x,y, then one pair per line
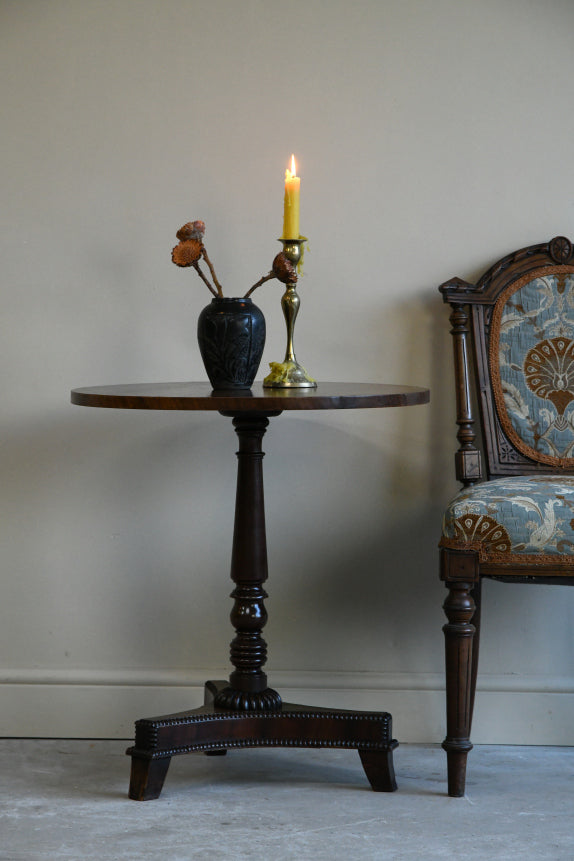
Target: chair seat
x,y
531,517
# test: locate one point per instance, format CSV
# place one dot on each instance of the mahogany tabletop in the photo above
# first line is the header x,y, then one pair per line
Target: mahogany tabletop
x,y
200,396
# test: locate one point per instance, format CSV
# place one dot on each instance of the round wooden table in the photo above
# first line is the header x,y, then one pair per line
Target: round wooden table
x,y
245,711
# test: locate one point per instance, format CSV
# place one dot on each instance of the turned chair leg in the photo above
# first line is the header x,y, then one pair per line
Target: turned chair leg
x,y
459,632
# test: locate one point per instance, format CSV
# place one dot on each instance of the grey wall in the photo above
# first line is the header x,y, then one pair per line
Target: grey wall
x,y
432,138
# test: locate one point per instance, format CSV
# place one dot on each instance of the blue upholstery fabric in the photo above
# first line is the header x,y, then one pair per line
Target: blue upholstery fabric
x,y
517,515
536,365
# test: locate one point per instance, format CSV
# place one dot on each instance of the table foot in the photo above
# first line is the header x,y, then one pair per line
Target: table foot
x,y
379,768
147,777
213,730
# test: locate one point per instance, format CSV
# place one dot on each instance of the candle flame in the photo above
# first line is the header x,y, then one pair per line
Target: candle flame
x,y
293,166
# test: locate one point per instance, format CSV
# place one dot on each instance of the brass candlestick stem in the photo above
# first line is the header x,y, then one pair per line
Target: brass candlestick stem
x,y
289,374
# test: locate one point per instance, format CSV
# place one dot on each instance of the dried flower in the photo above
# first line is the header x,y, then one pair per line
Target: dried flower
x,y
191,230
187,252
284,270
191,250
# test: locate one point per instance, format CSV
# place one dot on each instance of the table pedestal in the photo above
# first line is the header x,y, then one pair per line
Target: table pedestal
x,y
214,731
245,712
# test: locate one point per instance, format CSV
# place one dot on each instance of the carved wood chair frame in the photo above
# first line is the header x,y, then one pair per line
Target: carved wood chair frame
x,y
474,323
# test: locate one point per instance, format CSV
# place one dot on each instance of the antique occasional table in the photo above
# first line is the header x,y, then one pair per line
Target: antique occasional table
x,y
245,712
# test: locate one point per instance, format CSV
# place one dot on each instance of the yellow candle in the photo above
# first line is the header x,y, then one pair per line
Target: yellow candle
x,y
291,203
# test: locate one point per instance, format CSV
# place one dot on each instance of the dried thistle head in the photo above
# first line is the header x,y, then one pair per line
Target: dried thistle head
x,y
187,252
284,270
191,230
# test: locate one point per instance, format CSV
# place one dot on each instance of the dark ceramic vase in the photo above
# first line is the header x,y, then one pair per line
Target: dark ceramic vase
x,y
231,335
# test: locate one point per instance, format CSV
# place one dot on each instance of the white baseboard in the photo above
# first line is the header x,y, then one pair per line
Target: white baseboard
x,y
510,709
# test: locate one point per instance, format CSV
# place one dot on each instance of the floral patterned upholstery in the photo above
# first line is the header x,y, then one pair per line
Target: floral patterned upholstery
x,y
525,516
531,362
532,365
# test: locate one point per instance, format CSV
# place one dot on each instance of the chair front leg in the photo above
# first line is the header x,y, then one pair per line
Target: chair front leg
x,y
459,632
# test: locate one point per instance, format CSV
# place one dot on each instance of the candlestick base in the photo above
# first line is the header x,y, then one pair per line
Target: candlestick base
x,y
288,375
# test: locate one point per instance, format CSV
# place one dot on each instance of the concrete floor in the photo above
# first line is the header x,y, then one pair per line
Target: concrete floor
x,y
67,800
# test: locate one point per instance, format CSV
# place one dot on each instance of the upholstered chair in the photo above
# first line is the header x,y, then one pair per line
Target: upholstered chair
x,y
513,519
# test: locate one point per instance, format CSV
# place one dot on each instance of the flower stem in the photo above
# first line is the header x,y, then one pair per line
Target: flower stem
x,y
204,279
213,275
261,281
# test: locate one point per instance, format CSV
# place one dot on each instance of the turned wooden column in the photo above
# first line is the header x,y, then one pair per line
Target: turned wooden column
x,y
247,688
467,458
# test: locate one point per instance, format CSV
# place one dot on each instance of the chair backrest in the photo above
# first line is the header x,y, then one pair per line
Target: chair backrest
x,y
521,315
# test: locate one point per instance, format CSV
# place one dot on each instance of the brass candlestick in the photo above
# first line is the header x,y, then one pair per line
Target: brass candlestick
x,y
289,374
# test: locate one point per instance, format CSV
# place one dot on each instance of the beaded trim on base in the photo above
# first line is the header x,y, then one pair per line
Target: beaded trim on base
x,y
147,732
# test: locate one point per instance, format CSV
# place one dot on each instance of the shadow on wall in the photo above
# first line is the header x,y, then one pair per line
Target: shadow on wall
x,y
355,552
424,347
370,593
95,535
118,540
